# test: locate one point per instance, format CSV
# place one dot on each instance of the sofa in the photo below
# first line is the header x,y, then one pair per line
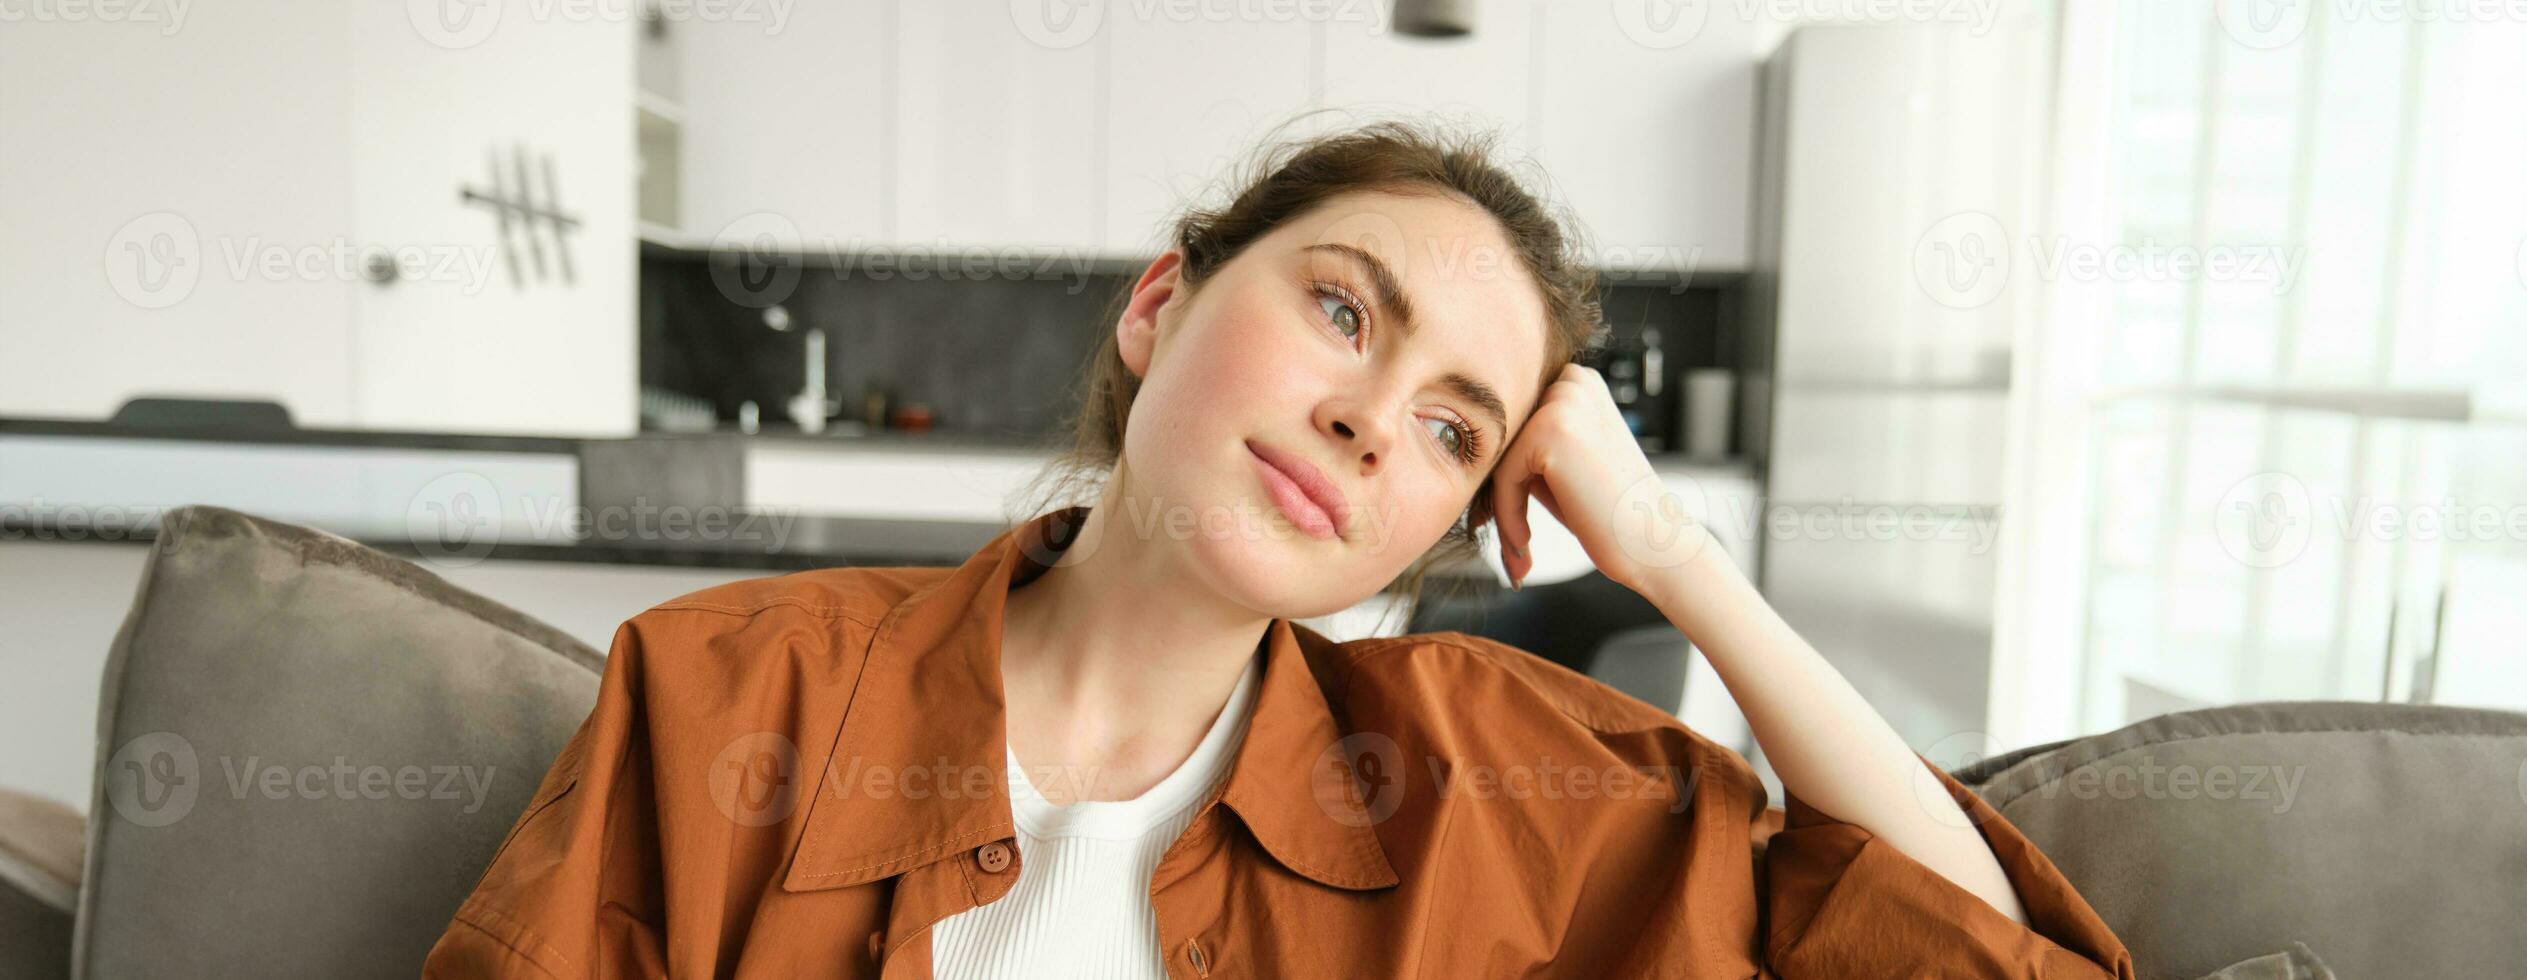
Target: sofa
x,y
308,750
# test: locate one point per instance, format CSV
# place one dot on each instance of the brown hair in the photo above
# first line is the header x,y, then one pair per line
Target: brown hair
x,y
1287,179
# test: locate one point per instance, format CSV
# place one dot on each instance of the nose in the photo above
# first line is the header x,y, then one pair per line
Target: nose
x,y
1359,428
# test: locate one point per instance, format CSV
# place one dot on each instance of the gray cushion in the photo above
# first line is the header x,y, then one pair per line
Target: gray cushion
x,y
2296,963
308,751
2391,839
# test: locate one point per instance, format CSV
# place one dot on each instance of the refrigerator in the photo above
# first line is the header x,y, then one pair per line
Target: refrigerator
x,y
1896,245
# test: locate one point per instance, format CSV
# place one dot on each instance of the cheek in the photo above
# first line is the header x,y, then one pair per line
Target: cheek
x,y
1413,516
1215,385
1248,374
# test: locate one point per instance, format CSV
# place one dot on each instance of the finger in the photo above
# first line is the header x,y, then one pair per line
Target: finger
x,y
1509,514
1515,533
1543,494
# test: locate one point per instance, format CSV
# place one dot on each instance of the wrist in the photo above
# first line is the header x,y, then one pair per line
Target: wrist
x,y
1692,578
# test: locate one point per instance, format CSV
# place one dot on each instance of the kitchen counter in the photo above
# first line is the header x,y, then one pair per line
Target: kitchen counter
x,y
855,436
494,496
778,543
777,500
839,438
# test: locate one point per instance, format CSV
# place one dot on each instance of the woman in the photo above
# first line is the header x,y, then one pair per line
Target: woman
x,y
1099,747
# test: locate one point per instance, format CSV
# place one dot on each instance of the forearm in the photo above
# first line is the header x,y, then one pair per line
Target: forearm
x,y
1828,745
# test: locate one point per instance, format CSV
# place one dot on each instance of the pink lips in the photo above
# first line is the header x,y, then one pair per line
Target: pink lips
x,y
1300,490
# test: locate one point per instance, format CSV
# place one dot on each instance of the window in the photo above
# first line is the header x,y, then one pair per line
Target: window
x,y
2308,307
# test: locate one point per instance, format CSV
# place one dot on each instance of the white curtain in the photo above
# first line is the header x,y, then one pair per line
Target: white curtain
x,y
2257,456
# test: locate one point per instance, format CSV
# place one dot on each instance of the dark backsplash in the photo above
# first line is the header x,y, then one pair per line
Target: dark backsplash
x,y
997,358
993,358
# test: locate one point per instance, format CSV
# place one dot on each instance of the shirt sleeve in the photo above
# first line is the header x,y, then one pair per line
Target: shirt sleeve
x,y
1839,902
557,898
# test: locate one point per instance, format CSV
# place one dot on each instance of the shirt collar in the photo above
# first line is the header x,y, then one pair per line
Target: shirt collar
x,y
917,770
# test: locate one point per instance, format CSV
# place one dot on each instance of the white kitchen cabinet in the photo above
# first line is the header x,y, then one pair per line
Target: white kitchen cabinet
x,y
1484,79
787,130
1169,142
511,326
1086,127
210,197
995,134
1647,126
129,187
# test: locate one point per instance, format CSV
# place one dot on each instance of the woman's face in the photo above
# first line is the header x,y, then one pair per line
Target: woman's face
x,y
1392,343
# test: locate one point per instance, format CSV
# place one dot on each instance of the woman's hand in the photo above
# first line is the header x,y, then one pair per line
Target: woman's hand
x,y
1829,746
1578,458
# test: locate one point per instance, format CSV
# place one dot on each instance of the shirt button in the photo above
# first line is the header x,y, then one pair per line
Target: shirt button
x,y
994,857
877,945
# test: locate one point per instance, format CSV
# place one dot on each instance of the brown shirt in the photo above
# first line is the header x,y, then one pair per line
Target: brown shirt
x,y
798,776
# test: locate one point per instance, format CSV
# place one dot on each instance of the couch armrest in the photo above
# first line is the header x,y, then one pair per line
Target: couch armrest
x,y
41,846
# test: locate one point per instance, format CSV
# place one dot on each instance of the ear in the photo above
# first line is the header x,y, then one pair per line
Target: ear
x,y
1136,332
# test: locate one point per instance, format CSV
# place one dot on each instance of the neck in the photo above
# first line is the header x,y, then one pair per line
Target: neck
x,y
1113,668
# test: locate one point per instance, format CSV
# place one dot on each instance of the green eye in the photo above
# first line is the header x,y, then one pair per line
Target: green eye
x,y
1451,438
1345,316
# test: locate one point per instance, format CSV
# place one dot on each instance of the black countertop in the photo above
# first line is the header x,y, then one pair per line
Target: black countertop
x,y
889,440
783,543
292,436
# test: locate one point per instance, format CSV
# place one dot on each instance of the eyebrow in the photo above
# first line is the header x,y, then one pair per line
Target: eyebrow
x,y
1390,294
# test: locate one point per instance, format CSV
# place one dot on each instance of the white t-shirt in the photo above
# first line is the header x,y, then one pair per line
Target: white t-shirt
x,y
1080,907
